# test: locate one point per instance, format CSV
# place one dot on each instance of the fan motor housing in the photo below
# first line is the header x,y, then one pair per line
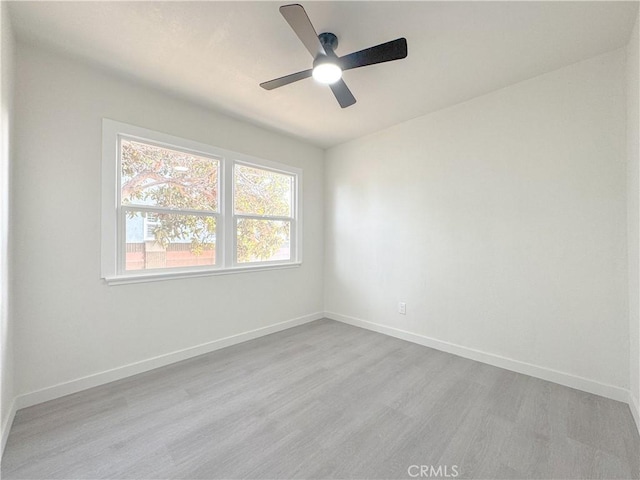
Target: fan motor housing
x,y
329,41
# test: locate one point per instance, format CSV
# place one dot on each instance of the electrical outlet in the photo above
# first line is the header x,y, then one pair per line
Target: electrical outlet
x,y
402,308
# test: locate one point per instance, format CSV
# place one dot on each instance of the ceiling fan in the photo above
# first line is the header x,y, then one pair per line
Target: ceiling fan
x,y
327,66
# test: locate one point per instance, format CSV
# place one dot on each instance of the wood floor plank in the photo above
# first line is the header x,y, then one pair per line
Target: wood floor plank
x,y
324,400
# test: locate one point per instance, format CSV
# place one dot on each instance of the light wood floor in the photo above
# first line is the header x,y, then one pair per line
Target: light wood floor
x,y
325,400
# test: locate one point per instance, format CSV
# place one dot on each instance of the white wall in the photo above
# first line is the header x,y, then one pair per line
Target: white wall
x,y
6,126
69,324
633,216
500,221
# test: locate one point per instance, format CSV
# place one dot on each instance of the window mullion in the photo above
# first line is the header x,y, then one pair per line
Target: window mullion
x,y
229,220
264,217
172,211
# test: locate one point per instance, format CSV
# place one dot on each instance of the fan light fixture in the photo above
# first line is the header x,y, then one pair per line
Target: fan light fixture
x,y
327,72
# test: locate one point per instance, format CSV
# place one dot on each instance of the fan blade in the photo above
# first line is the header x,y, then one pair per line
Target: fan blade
x,y
286,80
343,94
385,52
297,18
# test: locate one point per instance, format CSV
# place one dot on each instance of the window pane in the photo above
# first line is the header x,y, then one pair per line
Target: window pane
x,y
263,240
262,192
161,177
163,240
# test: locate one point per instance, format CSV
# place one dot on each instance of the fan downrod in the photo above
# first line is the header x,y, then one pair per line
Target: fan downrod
x,y
329,41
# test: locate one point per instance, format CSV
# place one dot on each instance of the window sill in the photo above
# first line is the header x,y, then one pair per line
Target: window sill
x,y
159,277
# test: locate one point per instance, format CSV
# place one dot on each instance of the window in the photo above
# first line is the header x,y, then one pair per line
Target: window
x,y
174,208
168,206
263,214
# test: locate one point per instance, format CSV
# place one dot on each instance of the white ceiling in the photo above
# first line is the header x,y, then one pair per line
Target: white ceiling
x,y
216,53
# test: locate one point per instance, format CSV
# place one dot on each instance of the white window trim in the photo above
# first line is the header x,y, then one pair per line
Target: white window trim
x,y
225,227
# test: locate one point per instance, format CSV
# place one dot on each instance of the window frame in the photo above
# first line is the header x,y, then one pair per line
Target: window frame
x,y
113,244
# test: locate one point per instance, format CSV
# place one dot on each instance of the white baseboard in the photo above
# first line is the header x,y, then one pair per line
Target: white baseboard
x,y
580,383
634,405
6,426
79,384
